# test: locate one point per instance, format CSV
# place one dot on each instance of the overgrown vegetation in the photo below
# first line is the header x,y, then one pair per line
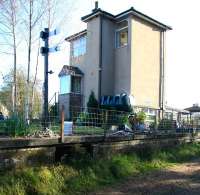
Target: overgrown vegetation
x,y
83,174
16,127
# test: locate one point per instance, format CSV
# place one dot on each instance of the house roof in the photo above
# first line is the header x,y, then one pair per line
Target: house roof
x,y
75,36
194,108
130,11
172,109
70,70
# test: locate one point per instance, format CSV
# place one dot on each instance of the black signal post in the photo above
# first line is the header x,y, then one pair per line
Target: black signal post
x,y
45,52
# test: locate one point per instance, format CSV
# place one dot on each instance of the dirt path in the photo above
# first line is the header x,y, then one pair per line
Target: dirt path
x,y
182,179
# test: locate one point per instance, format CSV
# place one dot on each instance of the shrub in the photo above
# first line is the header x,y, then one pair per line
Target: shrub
x,y
92,101
14,126
140,117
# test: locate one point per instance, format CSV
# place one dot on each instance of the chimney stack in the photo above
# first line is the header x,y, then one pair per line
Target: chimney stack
x,y
96,5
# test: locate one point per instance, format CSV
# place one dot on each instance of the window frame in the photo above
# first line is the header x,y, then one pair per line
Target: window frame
x,y
117,33
72,79
65,90
80,46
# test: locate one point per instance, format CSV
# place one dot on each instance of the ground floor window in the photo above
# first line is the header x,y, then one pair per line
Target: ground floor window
x,y
76,84
65,84
70,84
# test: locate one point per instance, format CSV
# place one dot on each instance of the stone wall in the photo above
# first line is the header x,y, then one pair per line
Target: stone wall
x,y
34,155
14,158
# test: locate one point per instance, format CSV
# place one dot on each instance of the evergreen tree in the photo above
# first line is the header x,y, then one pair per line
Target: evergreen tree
x,y
92,101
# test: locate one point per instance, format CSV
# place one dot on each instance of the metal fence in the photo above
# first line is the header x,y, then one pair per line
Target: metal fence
x,y
95,121
17,127
102,121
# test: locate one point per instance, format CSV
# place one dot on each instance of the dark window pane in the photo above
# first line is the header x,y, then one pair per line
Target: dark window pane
x,y
122,37
76,84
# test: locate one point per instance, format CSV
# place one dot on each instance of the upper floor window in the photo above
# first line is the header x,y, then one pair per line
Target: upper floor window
x,y
122,34
79,46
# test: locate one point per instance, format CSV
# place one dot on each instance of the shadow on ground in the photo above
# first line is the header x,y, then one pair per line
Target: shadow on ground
x,y
183,179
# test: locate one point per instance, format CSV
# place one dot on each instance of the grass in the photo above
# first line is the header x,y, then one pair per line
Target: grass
x,y
87,130
83,174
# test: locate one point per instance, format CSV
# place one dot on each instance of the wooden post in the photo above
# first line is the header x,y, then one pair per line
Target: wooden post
x,y
106,123
62,124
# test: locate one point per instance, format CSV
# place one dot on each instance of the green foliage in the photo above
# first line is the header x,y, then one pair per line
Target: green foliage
x,y
83,174
123,166
140,117
13,126
123,119
105,118
82,119
88,130
53,111
85,119
92,101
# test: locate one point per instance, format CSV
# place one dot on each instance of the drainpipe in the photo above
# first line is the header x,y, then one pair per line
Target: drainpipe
x,y
163,64
100,57
162,73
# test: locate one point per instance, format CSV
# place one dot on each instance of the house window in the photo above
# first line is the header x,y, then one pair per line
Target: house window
x,y
65,82
76,84
70,84
122,34
79,46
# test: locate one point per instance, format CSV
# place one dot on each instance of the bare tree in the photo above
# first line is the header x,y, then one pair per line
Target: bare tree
x,y
34,10
6,93
28,17
8,26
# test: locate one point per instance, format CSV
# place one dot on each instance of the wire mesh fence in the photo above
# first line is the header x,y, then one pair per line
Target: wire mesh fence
x,y
18,127
95,121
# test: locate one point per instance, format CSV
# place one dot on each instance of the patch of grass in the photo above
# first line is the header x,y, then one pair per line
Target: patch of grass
x,y
84,174
87,130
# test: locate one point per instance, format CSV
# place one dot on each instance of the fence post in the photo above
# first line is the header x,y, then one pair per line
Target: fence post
x,y
62,124
106,123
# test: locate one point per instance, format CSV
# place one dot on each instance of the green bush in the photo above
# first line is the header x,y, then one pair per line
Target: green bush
x,y
13,126
82,119
92,101
140,117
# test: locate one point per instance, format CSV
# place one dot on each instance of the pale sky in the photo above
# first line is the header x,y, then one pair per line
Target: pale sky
x,y
182,43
